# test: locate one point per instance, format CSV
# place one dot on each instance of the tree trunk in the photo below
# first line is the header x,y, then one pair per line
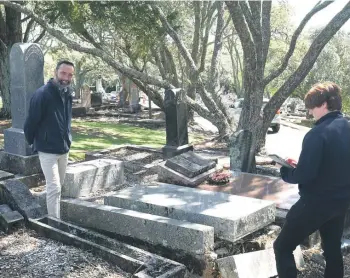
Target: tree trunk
x,y
5,83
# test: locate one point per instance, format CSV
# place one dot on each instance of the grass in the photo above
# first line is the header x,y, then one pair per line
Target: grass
x,y
94,136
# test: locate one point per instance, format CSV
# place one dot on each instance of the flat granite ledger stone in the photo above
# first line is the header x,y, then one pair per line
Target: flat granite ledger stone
x,y
17,195
190,164
232,217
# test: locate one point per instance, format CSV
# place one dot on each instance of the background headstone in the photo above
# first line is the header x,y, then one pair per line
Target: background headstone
x,y
27,75
85,96
176,123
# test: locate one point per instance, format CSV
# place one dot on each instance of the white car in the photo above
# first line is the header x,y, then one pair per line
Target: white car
x,y
276,122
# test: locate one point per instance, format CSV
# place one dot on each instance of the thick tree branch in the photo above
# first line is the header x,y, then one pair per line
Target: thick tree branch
x,y
265,29
28,29
93,51
175,37
309,59
42,34
241,27
319,6
196,34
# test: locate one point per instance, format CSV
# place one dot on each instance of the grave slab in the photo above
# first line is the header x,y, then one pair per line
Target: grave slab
x,y
283,194
11,220
168,175
17,195
232,217
90,176
170,233
190,164
258,264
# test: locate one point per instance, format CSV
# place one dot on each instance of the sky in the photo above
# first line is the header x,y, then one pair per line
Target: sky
x,y
302,7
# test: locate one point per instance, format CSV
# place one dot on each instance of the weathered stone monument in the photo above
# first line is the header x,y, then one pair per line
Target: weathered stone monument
x,y
176,123
188,169
241,154
85,96
26,69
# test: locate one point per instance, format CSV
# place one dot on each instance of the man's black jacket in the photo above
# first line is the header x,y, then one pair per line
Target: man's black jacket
x,y
48,125
323,170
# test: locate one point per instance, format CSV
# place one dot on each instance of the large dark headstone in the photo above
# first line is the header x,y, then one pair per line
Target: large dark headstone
x,y
176,123
96,99
27,75
17,195
189,164
241,153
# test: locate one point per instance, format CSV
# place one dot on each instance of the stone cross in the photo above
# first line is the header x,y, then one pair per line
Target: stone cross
x,y
27,75
176,123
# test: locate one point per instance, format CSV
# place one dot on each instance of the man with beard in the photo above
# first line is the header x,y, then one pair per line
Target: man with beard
x,y
48,129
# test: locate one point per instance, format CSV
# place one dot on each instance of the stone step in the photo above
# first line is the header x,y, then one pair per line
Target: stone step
x,y
232,217
133,260
187,237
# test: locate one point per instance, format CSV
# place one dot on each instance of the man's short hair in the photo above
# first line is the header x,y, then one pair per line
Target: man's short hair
x,y
320,93
65,62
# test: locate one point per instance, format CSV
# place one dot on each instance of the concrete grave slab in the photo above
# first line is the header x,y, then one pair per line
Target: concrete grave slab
x,y
17,195
90,176
258,264
170,233
232,217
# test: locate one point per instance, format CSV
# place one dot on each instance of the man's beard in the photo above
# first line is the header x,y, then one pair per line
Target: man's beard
x,y
63,84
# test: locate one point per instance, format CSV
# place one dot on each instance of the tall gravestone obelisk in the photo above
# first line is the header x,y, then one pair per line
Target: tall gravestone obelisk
x,y
27,75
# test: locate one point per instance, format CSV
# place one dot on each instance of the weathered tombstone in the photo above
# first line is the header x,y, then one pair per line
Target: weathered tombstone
x,y
26,70
188,169
176,123
134,101
96,99
241,154
85,96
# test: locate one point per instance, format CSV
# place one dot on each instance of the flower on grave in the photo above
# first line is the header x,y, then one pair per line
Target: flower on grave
x,y
220,177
